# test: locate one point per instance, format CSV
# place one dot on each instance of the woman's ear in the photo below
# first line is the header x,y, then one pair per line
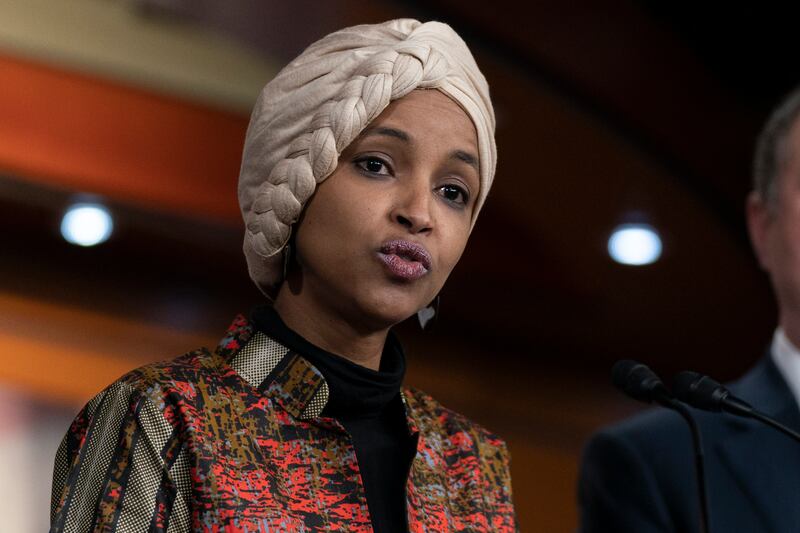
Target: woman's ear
x,y
759,221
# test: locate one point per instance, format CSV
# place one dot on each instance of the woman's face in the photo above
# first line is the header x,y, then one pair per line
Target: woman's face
x,y
380,235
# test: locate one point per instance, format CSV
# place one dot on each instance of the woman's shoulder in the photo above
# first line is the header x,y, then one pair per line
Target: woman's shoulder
x,y
156,388
432,417
171,373
181,377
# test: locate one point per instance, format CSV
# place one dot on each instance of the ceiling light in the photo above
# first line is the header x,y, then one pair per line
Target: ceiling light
x,y
634,244
86,224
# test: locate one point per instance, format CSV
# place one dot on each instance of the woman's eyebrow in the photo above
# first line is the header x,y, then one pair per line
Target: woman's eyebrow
x,y
467,158
459,155
389,132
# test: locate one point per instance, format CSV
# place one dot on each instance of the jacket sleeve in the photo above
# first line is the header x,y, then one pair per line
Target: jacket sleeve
x,y
497,493
618,491
120,468
506,483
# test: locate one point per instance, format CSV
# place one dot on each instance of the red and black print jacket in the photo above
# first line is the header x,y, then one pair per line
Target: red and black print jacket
x,y
233,441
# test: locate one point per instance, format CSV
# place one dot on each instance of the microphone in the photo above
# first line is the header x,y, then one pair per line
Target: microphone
x,y
640,383
707,394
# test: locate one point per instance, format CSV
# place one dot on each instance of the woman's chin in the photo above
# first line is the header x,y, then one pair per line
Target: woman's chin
x,y
389,310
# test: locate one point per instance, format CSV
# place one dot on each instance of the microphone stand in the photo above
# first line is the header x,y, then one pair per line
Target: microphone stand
x,y
640,383
699,462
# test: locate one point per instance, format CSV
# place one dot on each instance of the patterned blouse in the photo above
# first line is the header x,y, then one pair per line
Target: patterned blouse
x,y
233,441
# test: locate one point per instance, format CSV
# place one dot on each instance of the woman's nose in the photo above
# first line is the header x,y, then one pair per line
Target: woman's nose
x,y
413,210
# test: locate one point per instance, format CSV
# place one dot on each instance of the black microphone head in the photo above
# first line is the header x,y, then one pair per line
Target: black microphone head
x,y
699,391
638,381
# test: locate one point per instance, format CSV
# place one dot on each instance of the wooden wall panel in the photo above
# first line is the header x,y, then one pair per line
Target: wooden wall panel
x,y
91,135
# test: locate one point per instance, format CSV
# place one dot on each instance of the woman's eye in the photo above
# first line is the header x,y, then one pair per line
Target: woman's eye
x,y
454,194
373,165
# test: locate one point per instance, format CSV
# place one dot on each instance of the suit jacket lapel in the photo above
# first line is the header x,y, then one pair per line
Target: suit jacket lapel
x,y
764,462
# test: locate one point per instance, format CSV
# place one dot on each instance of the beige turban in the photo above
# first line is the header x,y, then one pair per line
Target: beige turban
x,y
321,101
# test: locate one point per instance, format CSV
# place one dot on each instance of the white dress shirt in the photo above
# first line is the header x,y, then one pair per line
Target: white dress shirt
x,y
786,357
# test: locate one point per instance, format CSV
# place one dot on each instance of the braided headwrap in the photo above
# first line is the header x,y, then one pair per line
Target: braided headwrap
x,y
319,103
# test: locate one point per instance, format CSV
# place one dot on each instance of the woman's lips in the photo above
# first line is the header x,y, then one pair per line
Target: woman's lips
x,y
405,260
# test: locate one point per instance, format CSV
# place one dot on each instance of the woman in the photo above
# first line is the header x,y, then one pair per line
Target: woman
x,y
377,146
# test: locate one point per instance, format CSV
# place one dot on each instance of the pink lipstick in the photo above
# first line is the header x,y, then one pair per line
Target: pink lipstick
x,y
405,260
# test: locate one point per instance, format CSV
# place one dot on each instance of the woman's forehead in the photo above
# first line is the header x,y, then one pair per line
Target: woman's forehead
x,y
426,113
426,100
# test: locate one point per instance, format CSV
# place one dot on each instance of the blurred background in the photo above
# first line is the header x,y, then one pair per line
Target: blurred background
x,y
614,115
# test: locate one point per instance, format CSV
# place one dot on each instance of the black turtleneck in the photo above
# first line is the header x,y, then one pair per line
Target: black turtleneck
x,y
368,404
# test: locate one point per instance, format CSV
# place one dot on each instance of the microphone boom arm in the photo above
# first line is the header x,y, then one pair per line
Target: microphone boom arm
x,y
707,394
771,422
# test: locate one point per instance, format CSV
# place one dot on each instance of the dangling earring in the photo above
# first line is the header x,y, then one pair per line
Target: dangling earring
x,y
287,259
429,313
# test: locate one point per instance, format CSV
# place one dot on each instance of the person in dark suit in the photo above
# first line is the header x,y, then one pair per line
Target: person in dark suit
x,y
638,476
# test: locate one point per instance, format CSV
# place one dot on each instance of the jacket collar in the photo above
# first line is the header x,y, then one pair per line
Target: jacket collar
x,y
273,369
759,457
765,388
285,376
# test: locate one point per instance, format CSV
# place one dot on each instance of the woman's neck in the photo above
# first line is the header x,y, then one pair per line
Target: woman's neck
x,y
330,330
